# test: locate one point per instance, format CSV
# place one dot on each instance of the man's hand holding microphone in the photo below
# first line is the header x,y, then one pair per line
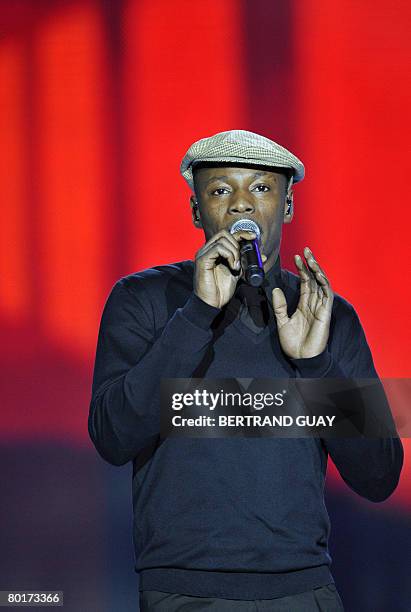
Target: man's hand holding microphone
x,y
218,268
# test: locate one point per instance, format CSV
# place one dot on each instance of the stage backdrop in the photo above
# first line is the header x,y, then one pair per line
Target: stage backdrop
x,y
99,101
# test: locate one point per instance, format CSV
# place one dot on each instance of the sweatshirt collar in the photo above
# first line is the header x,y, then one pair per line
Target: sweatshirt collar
x,y
271,280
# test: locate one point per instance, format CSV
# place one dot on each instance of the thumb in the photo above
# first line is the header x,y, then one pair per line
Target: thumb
x,y
280,306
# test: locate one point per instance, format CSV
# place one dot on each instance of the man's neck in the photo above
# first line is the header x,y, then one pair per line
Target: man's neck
x,y
273,263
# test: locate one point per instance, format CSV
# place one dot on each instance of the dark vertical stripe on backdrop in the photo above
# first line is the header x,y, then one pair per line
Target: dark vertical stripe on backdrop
x,y
272,107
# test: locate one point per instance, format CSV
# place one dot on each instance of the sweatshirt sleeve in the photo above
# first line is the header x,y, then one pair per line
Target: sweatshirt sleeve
x,y
370,466
124,414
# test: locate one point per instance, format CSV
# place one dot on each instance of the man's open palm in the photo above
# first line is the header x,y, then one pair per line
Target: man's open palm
x,y
305,334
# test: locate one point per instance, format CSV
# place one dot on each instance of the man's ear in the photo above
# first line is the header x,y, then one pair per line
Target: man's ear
x,y
195,212
289,207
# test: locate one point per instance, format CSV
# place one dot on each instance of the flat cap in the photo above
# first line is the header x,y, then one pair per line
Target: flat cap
x,y
240,146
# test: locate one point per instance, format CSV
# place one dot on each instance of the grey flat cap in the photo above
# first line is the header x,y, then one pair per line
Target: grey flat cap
x,y
242,147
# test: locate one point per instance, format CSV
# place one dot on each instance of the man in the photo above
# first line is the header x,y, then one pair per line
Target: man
x,y
232,523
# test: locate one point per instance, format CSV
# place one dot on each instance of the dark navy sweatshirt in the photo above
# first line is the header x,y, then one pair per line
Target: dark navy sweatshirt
x,y
224,517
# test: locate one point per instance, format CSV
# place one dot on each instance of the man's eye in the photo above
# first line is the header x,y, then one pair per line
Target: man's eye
x,y
261,188
220,191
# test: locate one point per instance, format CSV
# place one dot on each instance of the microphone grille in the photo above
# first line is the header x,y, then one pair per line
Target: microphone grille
x,y
245,224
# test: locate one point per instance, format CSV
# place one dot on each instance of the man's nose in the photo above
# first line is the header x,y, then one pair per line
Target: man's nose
x,y
241,204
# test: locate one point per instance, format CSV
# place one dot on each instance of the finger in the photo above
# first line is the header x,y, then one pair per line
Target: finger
x,y
310,262
304,281
303,271
301,266
244,235
231,241
237,236
308,286
219,235
315,267
327,292
317,278
233,246
320,293
230,237
280,306
217,250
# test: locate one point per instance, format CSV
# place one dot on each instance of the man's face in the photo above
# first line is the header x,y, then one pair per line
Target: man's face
x,y
226,193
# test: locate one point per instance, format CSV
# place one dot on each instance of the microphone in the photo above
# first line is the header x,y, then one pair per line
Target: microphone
x,y
250,252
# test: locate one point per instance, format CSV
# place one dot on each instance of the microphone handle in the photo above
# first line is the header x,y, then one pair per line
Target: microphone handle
x,y
253,265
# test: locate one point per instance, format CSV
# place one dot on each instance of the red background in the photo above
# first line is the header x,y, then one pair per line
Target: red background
x,y
99,101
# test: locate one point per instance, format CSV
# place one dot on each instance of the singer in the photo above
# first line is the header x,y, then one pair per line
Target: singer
x,y
232,524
